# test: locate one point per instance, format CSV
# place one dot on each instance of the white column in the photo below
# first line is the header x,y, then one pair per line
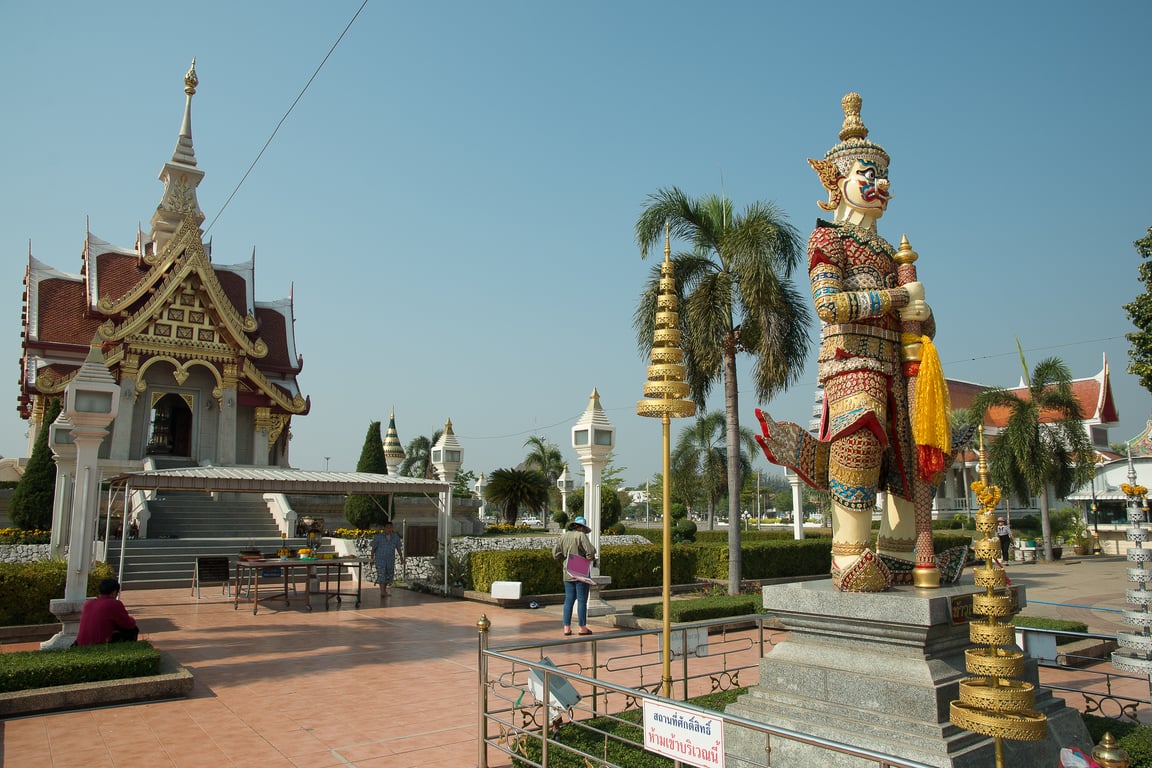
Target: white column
x,y
797,505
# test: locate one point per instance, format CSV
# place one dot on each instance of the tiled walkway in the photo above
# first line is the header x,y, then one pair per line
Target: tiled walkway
x,y
381,685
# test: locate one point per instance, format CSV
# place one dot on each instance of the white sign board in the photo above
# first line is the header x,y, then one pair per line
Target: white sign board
x,y
684,735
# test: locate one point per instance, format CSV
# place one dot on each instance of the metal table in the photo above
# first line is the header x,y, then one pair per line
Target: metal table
x,y
329,573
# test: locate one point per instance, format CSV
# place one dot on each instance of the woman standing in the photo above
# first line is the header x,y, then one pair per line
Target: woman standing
x,y
575,541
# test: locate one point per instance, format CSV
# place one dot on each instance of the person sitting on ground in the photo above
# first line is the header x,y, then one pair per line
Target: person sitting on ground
x,y
104,619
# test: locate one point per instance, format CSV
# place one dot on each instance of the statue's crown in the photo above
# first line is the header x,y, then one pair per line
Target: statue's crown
x,y
854,144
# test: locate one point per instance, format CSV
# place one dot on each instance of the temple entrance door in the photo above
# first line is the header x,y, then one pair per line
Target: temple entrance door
x,y
171,433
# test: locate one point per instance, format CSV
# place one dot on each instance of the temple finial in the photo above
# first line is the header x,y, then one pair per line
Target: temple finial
x,y
853,127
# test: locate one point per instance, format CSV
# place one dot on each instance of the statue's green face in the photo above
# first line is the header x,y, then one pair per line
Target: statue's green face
x,y
866,188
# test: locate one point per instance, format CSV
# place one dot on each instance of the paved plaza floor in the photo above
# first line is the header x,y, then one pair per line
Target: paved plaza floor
x,y
391,683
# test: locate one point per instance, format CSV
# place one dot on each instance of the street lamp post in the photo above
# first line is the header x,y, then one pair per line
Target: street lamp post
x,y
91,402
647,506
1095,513
565,484
447,456
64,454
480,483
593,438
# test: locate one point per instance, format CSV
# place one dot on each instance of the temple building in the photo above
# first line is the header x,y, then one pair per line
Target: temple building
x,y
1097,407
207,373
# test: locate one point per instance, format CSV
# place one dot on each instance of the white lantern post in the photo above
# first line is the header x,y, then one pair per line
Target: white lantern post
x,y
91,402
565,484
593,438
480,483
64,454
447,456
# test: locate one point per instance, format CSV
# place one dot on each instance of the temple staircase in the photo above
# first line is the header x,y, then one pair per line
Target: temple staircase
x,y
186,525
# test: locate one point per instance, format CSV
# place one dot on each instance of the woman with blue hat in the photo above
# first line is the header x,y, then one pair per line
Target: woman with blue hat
x,y
574,543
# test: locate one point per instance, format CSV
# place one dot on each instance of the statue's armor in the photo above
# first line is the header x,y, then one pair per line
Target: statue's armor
x,y
855,290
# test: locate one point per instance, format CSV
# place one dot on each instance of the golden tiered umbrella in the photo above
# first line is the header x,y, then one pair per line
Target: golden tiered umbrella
x,y
666,397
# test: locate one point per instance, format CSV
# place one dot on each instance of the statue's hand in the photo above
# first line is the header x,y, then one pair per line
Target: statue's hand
x,y
917,311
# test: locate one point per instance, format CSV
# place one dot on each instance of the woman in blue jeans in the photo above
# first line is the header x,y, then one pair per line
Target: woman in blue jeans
x,y
575,541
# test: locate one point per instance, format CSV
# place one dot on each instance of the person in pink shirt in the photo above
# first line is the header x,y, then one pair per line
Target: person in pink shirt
x,y
105,619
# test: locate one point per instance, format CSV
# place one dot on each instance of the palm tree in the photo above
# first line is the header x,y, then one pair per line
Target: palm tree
x,y
1038,445
511,489
735,296
418,456
545,457
700,460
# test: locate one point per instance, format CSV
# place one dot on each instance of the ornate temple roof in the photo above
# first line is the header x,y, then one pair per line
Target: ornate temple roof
x,y
1094,393
163,298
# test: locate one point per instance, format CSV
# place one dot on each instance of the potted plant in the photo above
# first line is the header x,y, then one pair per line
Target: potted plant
x,y
1069,524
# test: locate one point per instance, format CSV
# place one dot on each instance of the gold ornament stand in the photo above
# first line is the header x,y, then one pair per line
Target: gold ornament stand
x,y
994,703
878,671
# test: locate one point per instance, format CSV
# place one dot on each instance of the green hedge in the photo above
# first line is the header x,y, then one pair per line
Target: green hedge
x,y
702,608
720,535
22,670
27,588
765,555
768,559
629,566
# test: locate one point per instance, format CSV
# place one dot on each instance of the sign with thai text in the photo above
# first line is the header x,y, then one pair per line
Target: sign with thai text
x,y
684,735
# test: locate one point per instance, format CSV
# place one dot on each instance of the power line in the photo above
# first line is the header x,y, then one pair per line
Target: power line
x,y
277,128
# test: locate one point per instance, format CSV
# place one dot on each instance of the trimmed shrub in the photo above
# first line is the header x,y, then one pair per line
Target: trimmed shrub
x,y
539,574
701,608
768,559
23,670
684,531
27,588
1056,625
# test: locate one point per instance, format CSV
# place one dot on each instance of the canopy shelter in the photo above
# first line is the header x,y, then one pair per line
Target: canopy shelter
x,y
273,480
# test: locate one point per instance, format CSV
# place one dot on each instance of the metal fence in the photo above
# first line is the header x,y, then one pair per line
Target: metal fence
x,y
579,701
1088,681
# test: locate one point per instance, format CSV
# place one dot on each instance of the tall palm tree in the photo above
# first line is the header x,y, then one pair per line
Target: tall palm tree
x,y
545,458
1041,440
418,456
511,489
700,459
735,296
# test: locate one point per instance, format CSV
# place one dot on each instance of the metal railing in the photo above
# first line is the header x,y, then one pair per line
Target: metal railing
x,y
557,698
1105,692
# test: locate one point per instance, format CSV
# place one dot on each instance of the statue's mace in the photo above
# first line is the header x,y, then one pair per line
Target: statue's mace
x,y
925,575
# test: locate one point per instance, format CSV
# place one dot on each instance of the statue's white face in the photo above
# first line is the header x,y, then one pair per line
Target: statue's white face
x,y
866,188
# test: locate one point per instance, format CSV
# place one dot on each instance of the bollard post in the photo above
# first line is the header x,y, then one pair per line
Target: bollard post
x,y
482,627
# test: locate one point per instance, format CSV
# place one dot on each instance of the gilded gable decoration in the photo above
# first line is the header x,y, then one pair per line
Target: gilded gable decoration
x,y
162,310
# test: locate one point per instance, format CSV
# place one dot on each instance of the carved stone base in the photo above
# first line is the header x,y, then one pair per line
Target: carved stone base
x,y
878,671
597,606
68,611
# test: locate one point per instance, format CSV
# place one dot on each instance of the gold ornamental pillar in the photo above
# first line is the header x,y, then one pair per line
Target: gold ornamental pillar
x,y
994,703
665,395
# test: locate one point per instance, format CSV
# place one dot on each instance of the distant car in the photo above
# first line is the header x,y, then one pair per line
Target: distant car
x,y
531,522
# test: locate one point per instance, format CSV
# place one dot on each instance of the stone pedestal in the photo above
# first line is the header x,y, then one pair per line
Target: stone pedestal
x,y
878,671
68,611
597,605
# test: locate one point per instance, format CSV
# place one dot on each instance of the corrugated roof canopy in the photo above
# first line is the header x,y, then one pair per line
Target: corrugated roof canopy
x,y
274,480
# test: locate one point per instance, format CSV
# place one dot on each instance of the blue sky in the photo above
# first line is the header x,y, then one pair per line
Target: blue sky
x,y
454,197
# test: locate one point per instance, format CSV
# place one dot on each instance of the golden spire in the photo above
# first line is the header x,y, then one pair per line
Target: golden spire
x,y
190,79
666,392
853,127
